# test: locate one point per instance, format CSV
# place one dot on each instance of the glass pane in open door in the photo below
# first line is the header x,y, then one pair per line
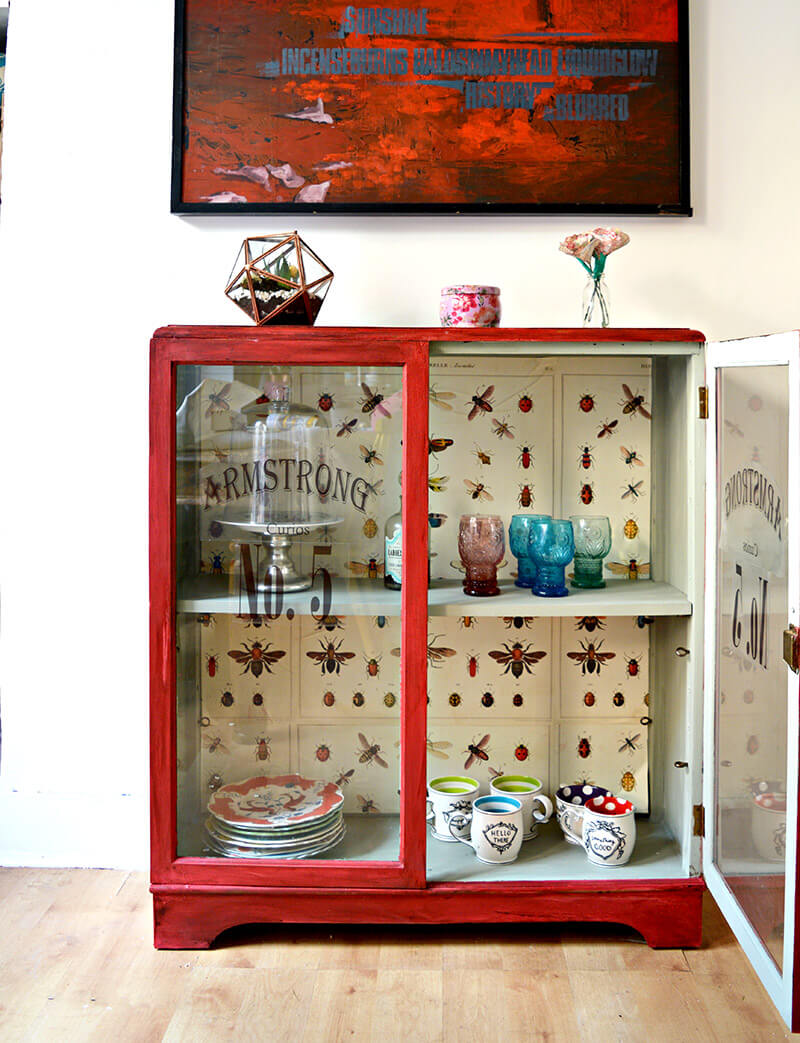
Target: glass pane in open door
x,y
751,695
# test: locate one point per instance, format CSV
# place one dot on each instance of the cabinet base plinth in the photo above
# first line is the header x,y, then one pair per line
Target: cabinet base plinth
x,y
667,913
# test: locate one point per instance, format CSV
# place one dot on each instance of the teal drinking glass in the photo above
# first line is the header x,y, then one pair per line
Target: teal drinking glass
x,y
518,533
551,545
592,533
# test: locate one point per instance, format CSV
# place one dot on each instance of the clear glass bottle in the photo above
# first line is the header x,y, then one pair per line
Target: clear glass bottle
x,y
393,547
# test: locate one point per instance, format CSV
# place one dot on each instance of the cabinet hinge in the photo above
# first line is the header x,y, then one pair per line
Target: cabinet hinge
x,y
699,813
702,402
791,653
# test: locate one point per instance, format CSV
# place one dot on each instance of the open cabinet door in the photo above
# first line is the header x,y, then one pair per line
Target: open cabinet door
x,y
750,773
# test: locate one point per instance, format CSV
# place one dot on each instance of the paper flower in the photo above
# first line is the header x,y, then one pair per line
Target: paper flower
x,y
592,249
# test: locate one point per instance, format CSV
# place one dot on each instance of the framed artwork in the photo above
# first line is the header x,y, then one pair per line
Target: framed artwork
x,y
552,106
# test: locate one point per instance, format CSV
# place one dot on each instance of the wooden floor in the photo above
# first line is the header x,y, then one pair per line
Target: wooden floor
x,y
77,963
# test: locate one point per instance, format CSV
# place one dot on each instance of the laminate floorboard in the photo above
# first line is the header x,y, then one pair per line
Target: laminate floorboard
x,y
77,963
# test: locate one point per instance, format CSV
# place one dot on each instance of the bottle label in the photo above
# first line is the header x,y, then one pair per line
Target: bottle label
x,y
394,556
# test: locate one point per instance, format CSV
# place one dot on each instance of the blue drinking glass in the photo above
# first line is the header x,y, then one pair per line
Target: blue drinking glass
x,y
551,545
518,534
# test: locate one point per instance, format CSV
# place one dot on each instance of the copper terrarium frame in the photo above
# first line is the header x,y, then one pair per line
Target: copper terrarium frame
x,y
303,302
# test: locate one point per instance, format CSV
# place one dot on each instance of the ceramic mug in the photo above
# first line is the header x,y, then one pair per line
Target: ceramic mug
x,y
570,804
609,830
450,798
496,829
528,791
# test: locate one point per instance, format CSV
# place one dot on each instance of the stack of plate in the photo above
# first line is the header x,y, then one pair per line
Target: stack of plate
x,y
286,816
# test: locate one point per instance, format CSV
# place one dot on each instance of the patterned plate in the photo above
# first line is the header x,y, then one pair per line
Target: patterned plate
x,y
268,842
274,803
240,851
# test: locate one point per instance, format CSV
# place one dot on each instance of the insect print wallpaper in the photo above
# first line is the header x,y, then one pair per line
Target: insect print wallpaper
x,y
330,106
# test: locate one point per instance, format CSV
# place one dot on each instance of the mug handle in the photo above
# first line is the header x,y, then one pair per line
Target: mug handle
x,y
463,840
547,804
428,814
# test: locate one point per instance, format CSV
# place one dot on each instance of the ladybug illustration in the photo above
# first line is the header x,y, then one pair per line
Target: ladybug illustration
x,y
525,404
618,699
586,403
586,457
631,529
524,457
323,752
328,699
370,528
358,699
455,699
521,752
258,699
389,699
212,662
525,498
472,665
325,402
633,666
627,781
588,699
517,700
587,493
487,699
227,699
584,748
753,744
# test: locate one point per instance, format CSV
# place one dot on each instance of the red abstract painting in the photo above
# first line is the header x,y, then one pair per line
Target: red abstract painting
x,y
556,106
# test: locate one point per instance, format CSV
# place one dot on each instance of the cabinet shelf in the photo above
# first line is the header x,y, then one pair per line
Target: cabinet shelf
x,y
446,598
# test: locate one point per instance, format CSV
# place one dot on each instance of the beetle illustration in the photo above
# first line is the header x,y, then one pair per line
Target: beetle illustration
x,y
371,568
487,700
369,456
591,659
753,744
477,490
607,428
525,404
472,665
358,699
328,699
502,430
346,427
212,662
369,752
368,806
389,699
618,699
524,458
584,748
525,498
631,529
633,404
629,742
226,699
476,751
372,402
481,402
373,668
257,657
521,752
590,623
380,622
263,752
467,622
589,699
323,752
216,563
631,457
586,403
258,699
438,445
516,658
586,458
587,493
633,665
628,781
517,699
483,457
325,402
454,699
518,622
330,658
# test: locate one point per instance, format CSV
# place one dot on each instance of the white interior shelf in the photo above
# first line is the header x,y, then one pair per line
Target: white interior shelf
x,y
620,597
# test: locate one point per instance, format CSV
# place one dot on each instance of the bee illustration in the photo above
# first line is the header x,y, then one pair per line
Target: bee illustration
x,y
214,743
607,428
252,619
346,427
325,402
436,653
633,404
375,488
633,570
591,659
586,403
632,490
525,404
370,456
502,430
372,402
436,749
587,493
629,743
263,752
437,485
477,490
481,402
476,751
256,658
369,752
368,806
483,457
343,778
590,623
218,400
329,623
631,457
516,658
525,498
586,459
371,569
518,622
440,398
524,458
438,445
330,658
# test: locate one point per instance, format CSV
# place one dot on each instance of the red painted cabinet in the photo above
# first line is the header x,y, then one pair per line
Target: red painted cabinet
x,y
297,474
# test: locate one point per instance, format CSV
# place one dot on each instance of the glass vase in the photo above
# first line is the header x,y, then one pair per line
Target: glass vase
x,y
592,534
551,545
595,302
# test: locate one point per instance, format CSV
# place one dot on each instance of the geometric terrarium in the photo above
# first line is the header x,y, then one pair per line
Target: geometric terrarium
x,y
279,279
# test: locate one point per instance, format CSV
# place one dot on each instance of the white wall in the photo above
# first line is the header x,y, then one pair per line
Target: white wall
x,y
91,261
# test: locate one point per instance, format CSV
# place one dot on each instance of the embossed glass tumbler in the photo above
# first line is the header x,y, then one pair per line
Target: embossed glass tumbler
x,y
551,546
592,535
481,543
518,532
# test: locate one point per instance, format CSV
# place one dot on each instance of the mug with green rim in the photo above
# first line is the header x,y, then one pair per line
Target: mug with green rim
x,y
536,806
451,798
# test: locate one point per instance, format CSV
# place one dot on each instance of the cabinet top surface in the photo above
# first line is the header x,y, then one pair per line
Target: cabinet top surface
x,y
440,333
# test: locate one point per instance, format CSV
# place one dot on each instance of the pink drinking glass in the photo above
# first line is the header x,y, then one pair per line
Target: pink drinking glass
x,y
481,545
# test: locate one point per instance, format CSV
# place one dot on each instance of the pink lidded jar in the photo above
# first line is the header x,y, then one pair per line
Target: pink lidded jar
x,y
470,306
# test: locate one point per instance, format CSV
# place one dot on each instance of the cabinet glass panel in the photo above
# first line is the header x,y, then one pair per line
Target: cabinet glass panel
x,y
288,663
750,698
